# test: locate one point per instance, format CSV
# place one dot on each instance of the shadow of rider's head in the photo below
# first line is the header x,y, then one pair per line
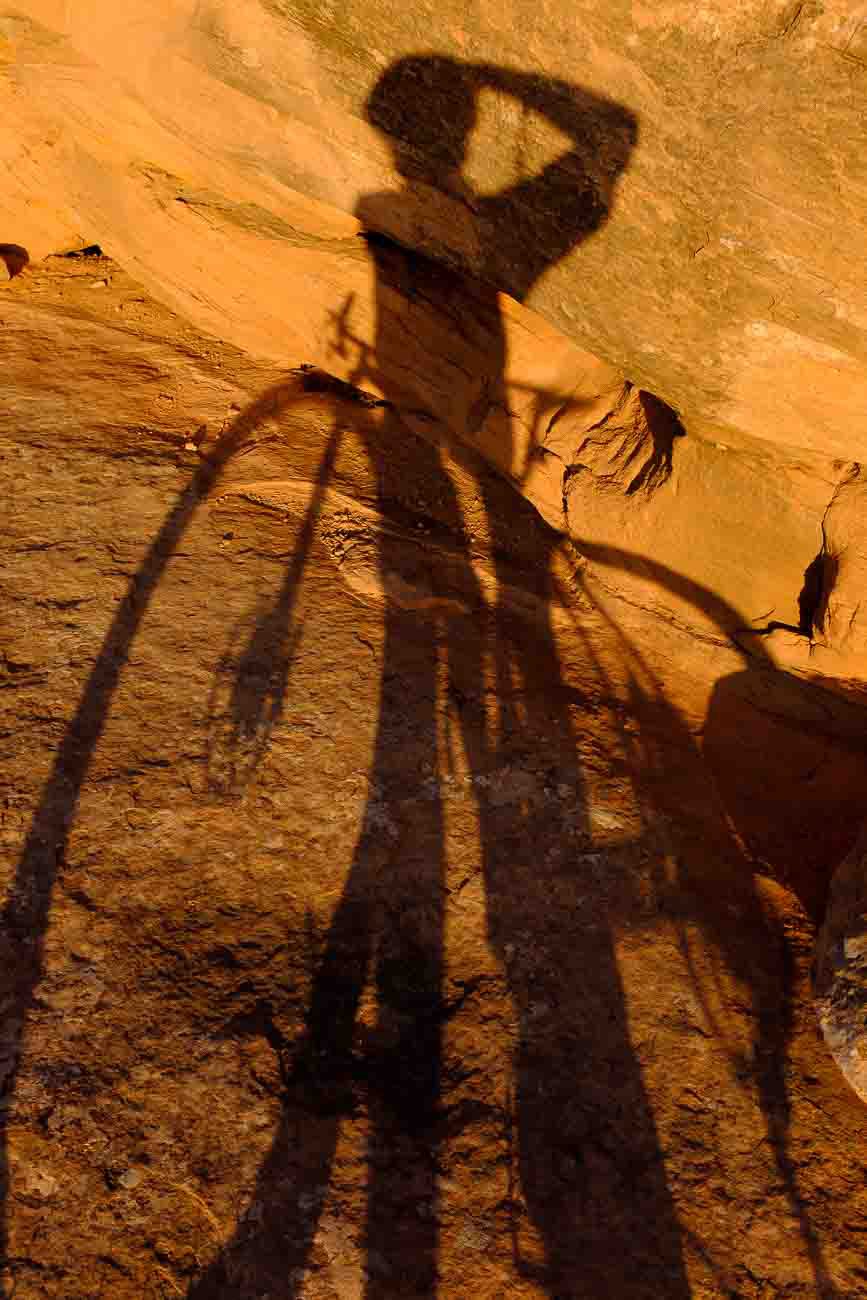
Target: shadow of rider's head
x,y
425,106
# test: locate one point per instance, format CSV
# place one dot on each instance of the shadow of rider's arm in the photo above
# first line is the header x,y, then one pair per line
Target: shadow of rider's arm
x,y
536,221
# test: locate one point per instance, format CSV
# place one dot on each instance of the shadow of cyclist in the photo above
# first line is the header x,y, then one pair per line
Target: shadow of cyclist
x,y
388,925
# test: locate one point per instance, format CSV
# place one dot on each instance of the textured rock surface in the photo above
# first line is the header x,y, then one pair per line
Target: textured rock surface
x,y
370,865
229,155
726,280
841,968
398,774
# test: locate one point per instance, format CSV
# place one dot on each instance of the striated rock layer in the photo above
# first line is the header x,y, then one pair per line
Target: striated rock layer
x,y
687,207
205,142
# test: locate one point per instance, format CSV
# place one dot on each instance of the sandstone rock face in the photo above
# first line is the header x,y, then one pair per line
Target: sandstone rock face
x,y
431,650
720,270
230,155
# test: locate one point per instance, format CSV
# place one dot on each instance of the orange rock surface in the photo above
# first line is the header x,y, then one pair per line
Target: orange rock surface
x,y
431,650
